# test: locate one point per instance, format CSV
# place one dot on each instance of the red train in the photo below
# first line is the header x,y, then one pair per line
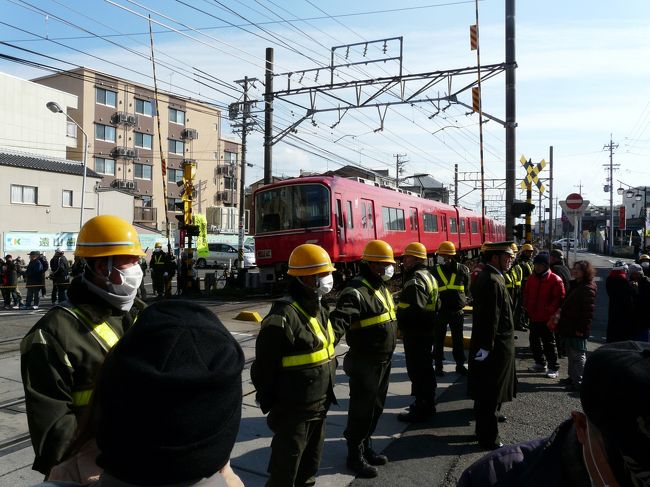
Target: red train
x,y
342,215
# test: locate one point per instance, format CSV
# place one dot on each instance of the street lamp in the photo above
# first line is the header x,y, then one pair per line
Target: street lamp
x,y
54,107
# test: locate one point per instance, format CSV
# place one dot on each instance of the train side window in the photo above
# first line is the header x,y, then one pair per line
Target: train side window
x,y
393,218
339,214
453,226
430,222
350,219
462,226
364,215
474,226
371,223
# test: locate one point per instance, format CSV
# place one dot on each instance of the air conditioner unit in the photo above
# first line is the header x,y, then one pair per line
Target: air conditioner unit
x,y
120,151
118,183
119,117
129,184
132,120
190,134
132,153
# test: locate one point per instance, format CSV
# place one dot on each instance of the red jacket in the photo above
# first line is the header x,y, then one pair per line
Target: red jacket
x,y
543,295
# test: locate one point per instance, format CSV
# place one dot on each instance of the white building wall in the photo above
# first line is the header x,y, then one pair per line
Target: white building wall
x,y
26,124
48,215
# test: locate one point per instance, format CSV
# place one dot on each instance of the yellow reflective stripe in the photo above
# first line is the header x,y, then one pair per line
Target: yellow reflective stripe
x,y
431,305
402,305
449,284
510,283
388,303
101,331
81,398
323,354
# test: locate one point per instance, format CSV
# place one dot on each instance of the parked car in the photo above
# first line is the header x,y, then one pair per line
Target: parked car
x,y
564,243
224,255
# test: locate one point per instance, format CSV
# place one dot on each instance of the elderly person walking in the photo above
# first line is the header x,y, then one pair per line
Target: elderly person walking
x,y
574,324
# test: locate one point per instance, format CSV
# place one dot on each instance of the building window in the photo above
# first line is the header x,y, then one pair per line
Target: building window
x,y
27,195
174,175
143,141
176,147
177,116
393,218
105,132
143,107
141,171
174,204
229,183
147,201
67,197
105,166
106,97
230,157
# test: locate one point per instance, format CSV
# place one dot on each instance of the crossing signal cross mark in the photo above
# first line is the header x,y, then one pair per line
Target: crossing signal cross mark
x,y
532,174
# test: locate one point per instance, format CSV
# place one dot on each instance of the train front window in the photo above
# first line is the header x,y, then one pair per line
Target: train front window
x,y
292,207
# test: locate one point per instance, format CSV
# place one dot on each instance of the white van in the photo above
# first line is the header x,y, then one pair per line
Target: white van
x,y
224,255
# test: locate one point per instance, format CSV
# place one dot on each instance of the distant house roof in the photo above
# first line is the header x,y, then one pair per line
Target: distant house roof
x,y
424,181
41,163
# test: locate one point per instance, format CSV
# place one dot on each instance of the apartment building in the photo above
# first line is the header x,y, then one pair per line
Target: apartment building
x,y
124,144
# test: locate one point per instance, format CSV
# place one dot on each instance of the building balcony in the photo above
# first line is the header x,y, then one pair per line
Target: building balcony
x,y
145,215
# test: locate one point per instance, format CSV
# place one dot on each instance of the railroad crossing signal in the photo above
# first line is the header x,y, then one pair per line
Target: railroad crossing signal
x,y
532,174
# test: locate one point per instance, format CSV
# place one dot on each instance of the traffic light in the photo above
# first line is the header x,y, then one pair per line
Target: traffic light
x,y
521,208
193,230
518,231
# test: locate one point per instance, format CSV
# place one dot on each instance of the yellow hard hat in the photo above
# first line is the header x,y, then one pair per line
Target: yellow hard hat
x,y
483,246
644,257
416,249
526,246
309,259
158,245
378,251
514,247
446,248
107,235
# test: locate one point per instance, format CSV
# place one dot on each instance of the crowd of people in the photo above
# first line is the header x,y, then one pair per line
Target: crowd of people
x,y
118,393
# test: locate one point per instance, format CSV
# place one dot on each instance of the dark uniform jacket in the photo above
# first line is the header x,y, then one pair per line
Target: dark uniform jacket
x,y
418,300
514,279
160,263
619,311
453,286
287,379
492,330
60,357
365,299
555,461
564,273
526,269
59,269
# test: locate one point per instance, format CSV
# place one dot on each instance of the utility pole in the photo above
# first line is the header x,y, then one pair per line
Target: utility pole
x,y
611,146
511,112
246,126
455,184
268,118
399,163
551,213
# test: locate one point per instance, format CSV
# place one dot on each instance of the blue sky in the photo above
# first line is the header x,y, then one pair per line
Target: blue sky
x,y
582,74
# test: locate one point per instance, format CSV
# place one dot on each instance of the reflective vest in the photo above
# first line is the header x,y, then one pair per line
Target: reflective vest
x,y
449,284
324,354
104,334
389,305
517,274
430,288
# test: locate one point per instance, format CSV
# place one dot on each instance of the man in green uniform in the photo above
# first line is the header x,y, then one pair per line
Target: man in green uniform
x,y
61,354
525,262
367,308
453,281
160,264
492,379
416,313
295,368
513,278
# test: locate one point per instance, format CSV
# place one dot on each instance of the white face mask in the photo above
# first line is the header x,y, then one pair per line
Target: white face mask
x,y
324,285
388,272
131,279
645,264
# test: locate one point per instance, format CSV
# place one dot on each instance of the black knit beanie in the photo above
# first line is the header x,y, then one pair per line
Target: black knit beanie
x,y
169,397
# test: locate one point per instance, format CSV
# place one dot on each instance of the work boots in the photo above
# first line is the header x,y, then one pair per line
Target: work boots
x,y
358,463
371,456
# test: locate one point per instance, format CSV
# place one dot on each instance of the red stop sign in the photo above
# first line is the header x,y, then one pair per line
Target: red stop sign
x,y
574,201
